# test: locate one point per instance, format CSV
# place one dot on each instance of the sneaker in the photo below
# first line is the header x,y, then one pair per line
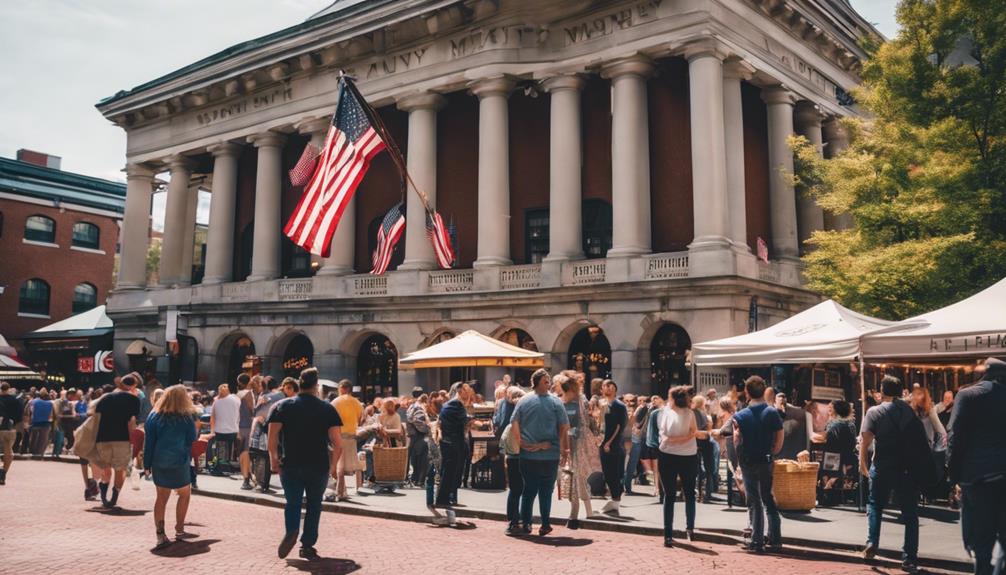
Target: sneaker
x,y
103,491
286,545
3,477
162,541
309,553
573,524
512,530
611,507
246,486
668,542
544,530
114,501
869,552
690,535
910,566
774,546
525,529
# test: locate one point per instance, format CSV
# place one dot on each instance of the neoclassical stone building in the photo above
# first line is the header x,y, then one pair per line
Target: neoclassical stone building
x,y
606,168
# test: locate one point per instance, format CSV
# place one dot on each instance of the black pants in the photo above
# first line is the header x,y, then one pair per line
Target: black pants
x,y
419,458
260,467
613,467
516,484
452,465
672,467
69,426
983,520
707,474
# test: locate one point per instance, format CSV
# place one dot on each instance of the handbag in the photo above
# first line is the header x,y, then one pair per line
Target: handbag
x,y
508,443
85,438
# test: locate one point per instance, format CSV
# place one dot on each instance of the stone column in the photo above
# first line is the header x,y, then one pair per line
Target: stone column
x,y
174,221
837,141
220,235
268,188
709,152
565,236
189,236
630,156
810,216
735,71
135,238
494,171
785,244
422,165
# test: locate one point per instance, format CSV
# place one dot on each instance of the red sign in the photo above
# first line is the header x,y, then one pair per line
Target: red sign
x,y
85,364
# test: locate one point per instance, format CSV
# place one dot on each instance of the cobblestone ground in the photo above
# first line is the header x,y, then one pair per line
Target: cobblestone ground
x,y
46,527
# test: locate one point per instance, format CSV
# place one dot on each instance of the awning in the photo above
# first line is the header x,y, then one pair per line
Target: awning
x,y
472,349
91,323
144,347
974,327
825,333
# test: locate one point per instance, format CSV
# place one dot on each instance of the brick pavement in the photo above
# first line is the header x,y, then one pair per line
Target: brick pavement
x,y
48,528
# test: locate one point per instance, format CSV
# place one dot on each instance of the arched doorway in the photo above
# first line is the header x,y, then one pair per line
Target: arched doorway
x,y
242,359
377,368
299,355
670,358
522,339
590,353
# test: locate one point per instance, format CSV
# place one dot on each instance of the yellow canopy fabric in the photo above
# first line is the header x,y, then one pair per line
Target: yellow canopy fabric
x,y
472,349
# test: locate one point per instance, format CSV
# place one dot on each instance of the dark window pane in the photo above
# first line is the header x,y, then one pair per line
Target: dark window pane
x,y
34,297
86,235
85,297
536,236
40,229
596,228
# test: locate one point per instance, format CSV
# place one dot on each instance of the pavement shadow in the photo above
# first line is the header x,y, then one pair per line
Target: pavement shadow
x,y
118,511
804,517
324,566
611,518
460,525
942,514
180,549
694,549
558,541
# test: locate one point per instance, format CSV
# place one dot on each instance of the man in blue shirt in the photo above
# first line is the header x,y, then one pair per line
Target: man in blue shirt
x,y
454,422
542,426
41,423
760,437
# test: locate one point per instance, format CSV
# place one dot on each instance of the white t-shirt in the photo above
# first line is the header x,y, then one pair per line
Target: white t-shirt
x,y
675,423
226,414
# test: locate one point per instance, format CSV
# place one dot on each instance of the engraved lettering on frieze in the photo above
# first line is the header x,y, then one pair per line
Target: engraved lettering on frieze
x,y
607,24
256,101
800,67
485,39
396,63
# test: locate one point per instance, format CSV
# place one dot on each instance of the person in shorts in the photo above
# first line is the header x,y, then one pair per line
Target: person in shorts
x,y
119,411
351,413
10,415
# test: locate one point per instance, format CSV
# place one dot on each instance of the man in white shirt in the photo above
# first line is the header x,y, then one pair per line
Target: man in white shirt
x,y
224,423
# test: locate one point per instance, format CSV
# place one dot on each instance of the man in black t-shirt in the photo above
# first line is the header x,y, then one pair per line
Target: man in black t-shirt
x,y
119,411
305,426
10,416
613,448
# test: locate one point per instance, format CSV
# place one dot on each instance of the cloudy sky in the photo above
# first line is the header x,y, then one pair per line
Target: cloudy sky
x,y
63,56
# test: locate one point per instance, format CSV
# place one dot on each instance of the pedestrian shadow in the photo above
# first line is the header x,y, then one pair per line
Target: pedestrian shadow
x,y
185,548
804,517
611,518
560,541
941,514
118,511
324,566
694,549
460,525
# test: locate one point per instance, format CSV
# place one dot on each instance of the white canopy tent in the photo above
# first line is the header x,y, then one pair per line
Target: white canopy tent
x,y
825,333
10,366
974,327
472,349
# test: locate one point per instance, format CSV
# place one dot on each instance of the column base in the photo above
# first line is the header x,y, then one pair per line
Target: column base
x,y
215,280
791,271
559,258
491,261
711,256
258,278
626,252
417,265
121,286
332,270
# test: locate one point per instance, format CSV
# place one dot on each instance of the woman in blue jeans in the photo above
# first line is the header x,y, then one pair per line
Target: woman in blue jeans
x,y
170,430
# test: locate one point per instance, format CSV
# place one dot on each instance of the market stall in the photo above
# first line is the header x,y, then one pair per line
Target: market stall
x,y
12,369
74,352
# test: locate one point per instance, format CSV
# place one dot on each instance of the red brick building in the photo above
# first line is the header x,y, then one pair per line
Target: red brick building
x,y
58,240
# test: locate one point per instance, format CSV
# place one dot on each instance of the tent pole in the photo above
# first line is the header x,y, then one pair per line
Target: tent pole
x,y
862,402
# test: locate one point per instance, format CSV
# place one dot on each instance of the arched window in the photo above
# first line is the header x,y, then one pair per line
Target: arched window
x,y
40,229
596,228
34,297
86,235
85,297
670,358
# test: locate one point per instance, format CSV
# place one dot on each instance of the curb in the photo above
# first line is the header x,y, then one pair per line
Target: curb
x,y
795,546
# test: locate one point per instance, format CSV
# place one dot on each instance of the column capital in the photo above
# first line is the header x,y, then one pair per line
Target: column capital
x,y
808,113
561,82
267,140
138,171
777,95
224,149
705,48
734,67
497,86
179,162
311,126
635,65
421,101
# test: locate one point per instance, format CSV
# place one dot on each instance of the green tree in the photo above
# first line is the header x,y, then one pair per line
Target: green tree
x,y
925,175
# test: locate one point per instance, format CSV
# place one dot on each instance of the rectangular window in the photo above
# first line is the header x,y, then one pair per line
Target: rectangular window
x,y
535,236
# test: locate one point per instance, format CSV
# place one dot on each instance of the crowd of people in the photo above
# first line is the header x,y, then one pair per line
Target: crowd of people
x,y
562,433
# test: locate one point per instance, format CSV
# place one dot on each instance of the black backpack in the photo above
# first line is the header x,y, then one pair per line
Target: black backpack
x,y
915,454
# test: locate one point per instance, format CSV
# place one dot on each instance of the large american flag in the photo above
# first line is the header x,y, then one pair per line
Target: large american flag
x,y
349,146
387,237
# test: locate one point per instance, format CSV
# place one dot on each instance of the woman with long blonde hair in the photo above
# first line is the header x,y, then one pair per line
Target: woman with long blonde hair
x,y
170,431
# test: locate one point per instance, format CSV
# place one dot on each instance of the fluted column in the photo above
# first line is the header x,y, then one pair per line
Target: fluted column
x,y
810,216
837,140
174,221
565,236
782,197
709,153
268,227
735,71
189,236
494,171
630,156
223,201
135,238
422,164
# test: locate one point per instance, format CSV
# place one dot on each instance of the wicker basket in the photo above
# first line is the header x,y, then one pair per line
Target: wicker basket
x,y
391,464
795,485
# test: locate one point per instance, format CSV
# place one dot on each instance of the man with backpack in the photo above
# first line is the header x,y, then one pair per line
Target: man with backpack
x,y
896,433
758,439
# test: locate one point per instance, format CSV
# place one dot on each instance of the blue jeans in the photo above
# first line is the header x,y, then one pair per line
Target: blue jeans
x,y
298,483
983,521
631,464
716,466
539,481
761,503
881,486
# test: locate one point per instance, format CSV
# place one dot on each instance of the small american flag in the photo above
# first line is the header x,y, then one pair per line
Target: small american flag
x,y
387,238
441,240
762,250
349,146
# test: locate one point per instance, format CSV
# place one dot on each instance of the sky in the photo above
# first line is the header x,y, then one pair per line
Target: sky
x,y
62,56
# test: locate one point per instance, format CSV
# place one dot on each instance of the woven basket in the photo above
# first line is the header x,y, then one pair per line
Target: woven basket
x,y
795,485
391,464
